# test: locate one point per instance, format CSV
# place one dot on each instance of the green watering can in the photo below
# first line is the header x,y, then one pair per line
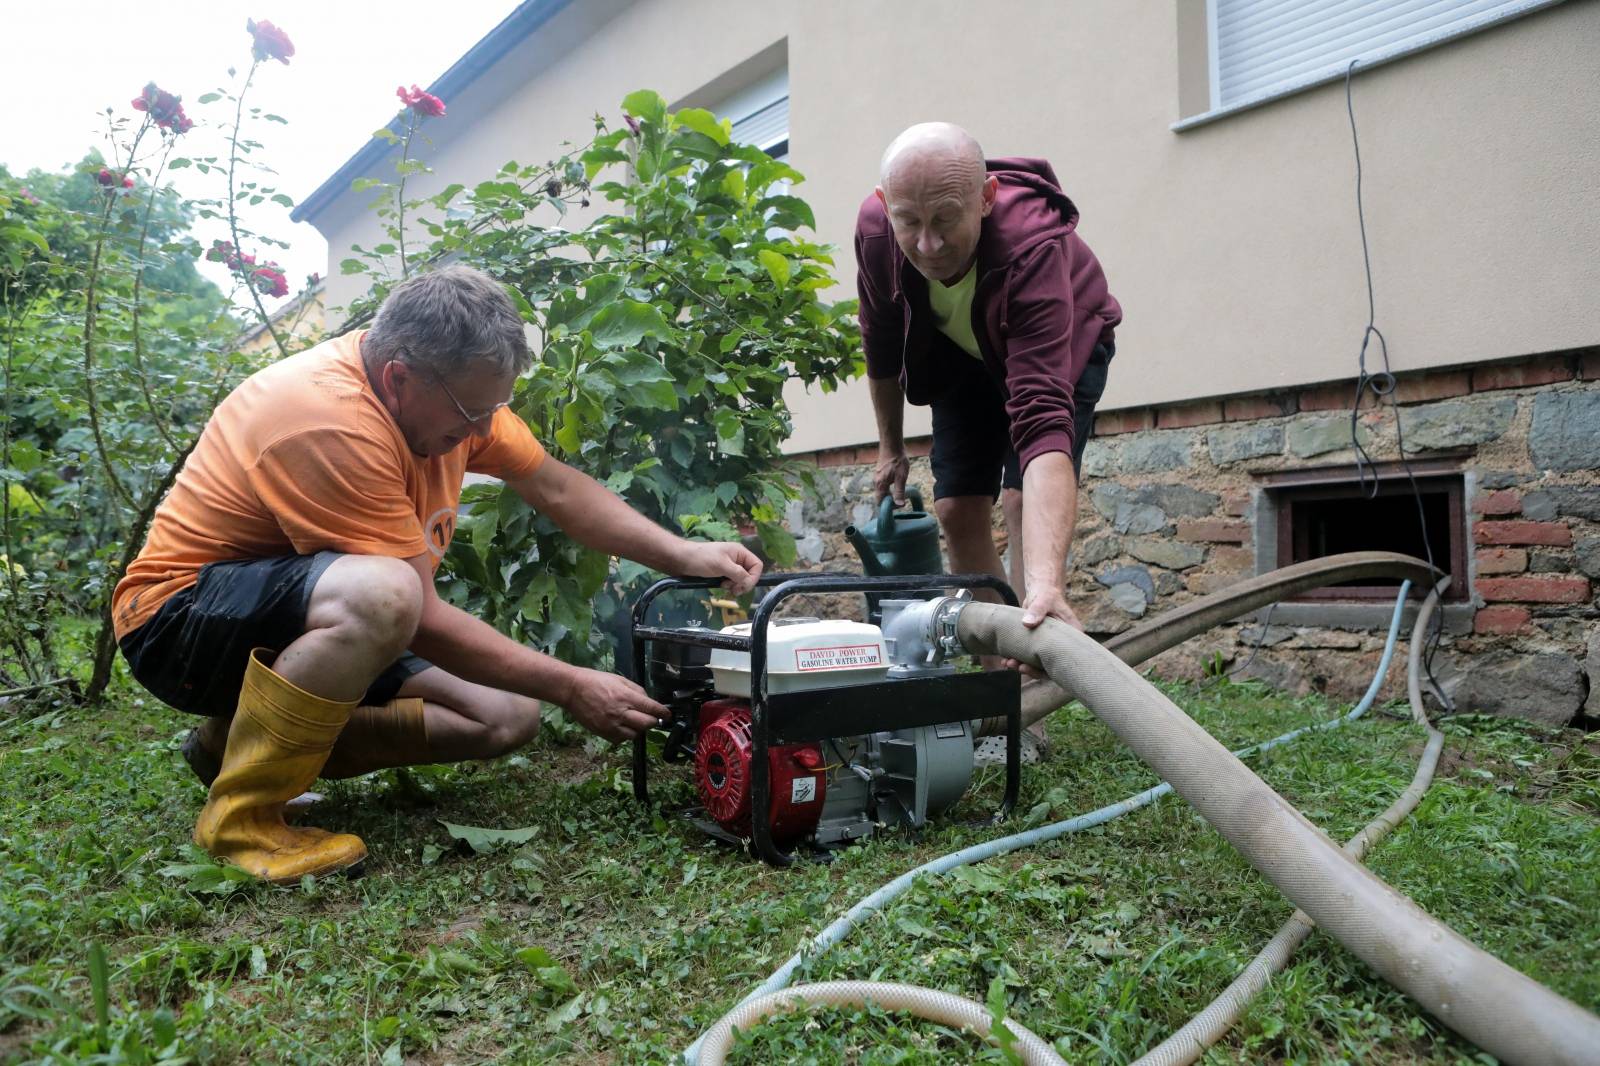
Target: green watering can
x,y
899,542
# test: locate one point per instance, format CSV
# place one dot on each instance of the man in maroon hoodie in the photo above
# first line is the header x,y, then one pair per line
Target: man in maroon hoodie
x,y
978,297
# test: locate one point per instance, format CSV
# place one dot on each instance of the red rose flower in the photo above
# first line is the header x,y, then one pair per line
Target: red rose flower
x,y
127,181
269,42
106,178
182,123
269,280
165,109
425,104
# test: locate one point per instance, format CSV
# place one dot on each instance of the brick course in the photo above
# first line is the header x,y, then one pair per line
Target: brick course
x,y
1521,375
1535,589
1505,501
1435,386
1328,397
1501,620
1553,534
1237,409
1182,416
1501,561
1113,422
1214,530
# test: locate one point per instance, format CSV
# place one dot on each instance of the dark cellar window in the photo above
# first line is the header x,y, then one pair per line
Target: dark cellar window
x,y
1321,519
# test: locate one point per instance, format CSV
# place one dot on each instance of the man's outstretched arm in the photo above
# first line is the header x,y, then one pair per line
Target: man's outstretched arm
x,y
1049,515
598,518
450,638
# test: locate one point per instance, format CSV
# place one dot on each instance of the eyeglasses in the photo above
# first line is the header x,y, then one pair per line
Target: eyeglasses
x,y
470,419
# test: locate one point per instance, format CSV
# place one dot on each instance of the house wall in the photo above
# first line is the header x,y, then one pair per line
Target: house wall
x,y
1233,246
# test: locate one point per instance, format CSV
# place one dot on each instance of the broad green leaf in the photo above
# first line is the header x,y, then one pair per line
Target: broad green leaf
x,y
645,104
624,323
704,122
568,436
791,212
483,840
777,266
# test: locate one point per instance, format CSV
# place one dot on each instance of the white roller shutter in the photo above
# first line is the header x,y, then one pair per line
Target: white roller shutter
x,y
1267,47
766,127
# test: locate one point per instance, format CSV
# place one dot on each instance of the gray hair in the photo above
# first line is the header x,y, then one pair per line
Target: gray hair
x,y
450,320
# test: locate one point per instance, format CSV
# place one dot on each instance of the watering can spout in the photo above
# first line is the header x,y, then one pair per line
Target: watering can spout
x,y
870,563
906,542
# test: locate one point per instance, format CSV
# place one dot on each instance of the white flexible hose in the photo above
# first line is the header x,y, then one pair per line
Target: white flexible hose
x,y
941,1007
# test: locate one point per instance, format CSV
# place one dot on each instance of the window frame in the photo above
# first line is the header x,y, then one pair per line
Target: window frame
x,y
1334,72
1392,482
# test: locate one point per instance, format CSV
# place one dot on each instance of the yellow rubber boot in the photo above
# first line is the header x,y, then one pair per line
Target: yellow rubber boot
x,y
277,744
377,738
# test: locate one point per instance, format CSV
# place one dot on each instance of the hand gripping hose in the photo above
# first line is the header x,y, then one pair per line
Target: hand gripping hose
x,y
941,1007
1501,1010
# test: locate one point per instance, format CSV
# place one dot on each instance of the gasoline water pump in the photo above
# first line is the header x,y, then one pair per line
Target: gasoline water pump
x,y
809,733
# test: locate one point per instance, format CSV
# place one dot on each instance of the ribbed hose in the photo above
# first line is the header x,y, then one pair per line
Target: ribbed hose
x,y
941,1007
1040,698
1210,1024
1499,1009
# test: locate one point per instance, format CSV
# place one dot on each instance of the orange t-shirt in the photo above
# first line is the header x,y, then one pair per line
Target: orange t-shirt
x,y
301,458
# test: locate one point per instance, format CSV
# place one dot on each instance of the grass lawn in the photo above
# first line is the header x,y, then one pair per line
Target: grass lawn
x,y
612,935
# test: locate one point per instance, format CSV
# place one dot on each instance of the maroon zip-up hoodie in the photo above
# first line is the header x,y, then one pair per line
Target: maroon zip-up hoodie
x,y
1039,307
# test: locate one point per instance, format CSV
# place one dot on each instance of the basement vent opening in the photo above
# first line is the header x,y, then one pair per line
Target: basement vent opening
x,y
1316,520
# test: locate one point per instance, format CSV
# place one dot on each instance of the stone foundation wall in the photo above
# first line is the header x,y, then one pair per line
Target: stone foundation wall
x,y
1179,501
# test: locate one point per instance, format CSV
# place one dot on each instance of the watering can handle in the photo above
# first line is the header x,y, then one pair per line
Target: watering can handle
x,y
886,510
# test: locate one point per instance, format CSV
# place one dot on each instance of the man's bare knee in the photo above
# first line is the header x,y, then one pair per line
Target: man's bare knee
x,y
964,516
378,599
513,729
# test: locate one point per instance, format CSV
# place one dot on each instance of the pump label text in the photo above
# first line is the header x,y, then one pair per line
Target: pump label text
x,y
844,657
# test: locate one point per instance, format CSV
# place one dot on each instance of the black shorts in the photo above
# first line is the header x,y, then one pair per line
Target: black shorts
x,y
972,453
193,652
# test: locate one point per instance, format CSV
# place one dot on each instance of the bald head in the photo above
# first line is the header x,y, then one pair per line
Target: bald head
x,y
939,147
937,192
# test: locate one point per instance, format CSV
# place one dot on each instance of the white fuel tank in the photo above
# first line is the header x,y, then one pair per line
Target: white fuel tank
x,y
805,654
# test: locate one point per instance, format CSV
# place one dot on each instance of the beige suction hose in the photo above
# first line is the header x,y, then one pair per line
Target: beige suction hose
x,y
1208,1026
1501,1010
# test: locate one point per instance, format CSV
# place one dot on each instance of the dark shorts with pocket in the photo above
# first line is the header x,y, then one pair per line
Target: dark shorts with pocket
x,y
972,452
193,651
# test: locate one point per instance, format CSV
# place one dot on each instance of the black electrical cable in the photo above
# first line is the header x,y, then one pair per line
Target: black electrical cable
x,y
1382,386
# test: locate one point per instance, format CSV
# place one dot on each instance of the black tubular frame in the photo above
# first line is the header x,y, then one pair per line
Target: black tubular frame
x,y
781,587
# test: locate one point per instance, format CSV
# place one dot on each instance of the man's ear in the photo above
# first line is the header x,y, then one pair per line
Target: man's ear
x,y
878,192
991,187
394,374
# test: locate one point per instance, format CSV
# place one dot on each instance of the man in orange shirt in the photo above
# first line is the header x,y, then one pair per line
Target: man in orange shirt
x,y
286,588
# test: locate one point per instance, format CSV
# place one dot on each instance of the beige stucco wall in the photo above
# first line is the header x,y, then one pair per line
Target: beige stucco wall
x,y
1232,246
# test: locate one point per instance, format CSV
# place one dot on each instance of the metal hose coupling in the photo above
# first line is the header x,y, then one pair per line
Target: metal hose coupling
x,y
921,635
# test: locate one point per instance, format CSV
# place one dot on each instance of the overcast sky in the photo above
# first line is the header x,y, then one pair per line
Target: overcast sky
x,y
63,63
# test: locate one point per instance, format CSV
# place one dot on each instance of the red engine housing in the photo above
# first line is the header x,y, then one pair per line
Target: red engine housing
x,y
722,760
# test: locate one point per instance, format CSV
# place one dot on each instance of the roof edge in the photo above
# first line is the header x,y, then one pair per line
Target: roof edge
x,y
512,31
